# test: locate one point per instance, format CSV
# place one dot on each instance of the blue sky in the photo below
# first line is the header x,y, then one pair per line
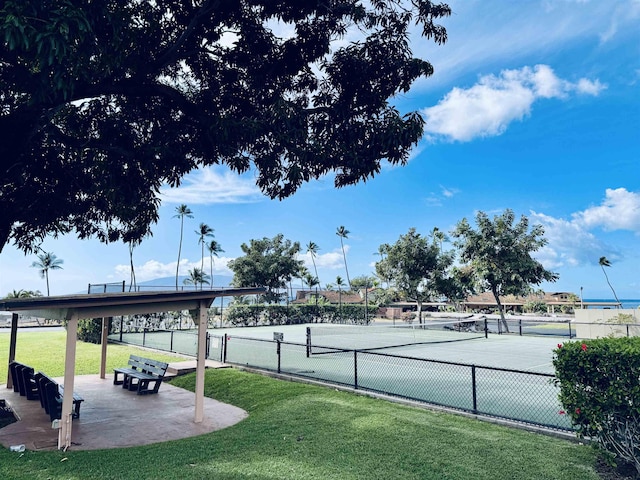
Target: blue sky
x,y
534,106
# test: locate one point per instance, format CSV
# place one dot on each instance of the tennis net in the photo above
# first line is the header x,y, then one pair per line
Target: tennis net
x,y
337,338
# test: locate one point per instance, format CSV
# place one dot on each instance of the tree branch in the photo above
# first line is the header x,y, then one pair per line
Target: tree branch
x,y
170,53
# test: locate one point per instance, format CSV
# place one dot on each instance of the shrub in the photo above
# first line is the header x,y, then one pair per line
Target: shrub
x,y
244,315
90,330
535,306
600,392
252,315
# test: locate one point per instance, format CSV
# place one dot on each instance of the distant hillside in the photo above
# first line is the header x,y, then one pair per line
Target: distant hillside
x,y
170,282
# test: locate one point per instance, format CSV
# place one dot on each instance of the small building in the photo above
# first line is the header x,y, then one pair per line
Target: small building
x,y
327,296
555,302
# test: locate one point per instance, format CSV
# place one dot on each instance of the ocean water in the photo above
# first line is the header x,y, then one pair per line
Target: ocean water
x,y
626,303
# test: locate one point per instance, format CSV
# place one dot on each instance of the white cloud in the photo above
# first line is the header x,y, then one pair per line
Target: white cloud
x,y
210,185
532,30
488,107
330,261
624,13
589,87
436,199
153,269
572,243
569,243
620,210
448,192
149,270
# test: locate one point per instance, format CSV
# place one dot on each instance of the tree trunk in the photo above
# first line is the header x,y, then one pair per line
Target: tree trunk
x,y
500,309
179,250
4,234
419,302
609,283
132,279
344,256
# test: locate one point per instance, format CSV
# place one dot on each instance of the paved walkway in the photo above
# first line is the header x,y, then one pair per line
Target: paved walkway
x,y
111,417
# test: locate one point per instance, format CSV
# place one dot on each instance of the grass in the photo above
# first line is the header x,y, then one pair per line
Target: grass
x,y
299,431
44,351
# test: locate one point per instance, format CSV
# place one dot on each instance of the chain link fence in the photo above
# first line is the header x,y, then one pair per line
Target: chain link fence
x,y
520,396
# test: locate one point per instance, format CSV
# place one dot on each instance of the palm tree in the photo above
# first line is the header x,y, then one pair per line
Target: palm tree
x,y
241,300
342,233
214,249
181,212
438,237
312,248
203,231
603,262
382,251
311,281
196,277
339,284
301,274
18,294
47,261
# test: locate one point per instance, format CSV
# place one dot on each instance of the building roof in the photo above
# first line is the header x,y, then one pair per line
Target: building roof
x,y
98,305
331,296
550,298
74,307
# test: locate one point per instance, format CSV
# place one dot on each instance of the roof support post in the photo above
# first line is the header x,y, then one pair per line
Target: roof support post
x,y
103,343
12,347
66,419
200,362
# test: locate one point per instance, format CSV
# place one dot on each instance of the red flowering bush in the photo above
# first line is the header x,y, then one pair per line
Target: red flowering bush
x,y
599,384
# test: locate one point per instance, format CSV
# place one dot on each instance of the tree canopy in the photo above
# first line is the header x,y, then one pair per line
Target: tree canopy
x,y
499,253
268,262
103,103
416,267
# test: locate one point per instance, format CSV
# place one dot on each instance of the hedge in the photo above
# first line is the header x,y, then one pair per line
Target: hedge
x,y
252,315
599,384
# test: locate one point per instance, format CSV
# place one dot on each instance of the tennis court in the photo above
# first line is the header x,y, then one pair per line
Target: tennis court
x,y
506,376
530,353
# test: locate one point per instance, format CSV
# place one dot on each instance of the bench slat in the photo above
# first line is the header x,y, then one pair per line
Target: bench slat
x,y
139,374
51,397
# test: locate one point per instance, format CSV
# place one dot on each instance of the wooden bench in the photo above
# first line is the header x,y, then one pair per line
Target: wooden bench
x,y
13,370
51,394
23,378
139,374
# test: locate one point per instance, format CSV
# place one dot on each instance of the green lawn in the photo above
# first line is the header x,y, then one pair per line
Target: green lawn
x,y
298,431
44,351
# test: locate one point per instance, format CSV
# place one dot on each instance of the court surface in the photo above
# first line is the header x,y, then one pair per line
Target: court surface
x,y
527,352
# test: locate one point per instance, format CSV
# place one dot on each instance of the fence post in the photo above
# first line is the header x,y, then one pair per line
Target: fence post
x,y
355,369
171,341
121,325
569,329
278,353
208,341
144,335
486,328
473,388
224,348
520,326
308,342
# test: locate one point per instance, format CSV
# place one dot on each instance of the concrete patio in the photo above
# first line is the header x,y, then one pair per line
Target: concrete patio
x,y
111,417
